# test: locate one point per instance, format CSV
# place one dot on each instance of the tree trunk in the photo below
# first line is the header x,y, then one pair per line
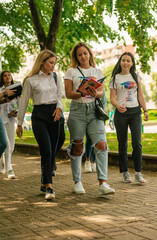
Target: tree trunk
x,y
49,41
54,26
39,31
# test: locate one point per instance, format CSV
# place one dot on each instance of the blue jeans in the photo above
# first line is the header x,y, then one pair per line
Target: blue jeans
x,y
3,140
89,150
131,118
81,120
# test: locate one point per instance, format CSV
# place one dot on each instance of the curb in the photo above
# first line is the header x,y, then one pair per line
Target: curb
x,y
149,162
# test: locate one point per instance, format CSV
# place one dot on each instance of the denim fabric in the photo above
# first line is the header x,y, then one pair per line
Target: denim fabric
x,y
81,119
89,150
46,132
3,140
131,118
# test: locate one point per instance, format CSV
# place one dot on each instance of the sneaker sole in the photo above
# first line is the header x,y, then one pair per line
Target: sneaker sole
x,y
136,181
50,196
127,181
109,193
79,192
11,177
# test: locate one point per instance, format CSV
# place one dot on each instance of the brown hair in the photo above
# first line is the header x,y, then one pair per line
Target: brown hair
x,y
1,78
74,61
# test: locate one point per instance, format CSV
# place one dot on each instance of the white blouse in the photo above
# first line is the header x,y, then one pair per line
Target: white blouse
x,y
43,90
6,108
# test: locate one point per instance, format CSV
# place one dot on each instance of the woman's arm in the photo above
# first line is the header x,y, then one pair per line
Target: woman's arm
x,y
5,94
70,94
142,102
75,95
113,95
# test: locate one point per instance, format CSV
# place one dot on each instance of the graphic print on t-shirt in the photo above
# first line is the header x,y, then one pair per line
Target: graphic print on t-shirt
x,y
128,85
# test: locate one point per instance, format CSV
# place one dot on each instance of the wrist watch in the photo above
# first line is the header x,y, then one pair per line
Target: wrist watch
x,y
145,110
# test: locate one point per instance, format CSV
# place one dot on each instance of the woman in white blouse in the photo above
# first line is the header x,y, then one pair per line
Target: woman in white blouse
x,y
41,87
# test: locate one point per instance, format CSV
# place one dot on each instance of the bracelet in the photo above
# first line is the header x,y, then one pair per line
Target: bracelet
x,y
82,94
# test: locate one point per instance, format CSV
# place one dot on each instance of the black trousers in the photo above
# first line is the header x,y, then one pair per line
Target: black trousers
x,y
61,139
46,132
131,118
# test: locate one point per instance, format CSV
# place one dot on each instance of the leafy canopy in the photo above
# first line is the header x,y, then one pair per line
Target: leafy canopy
x,y
32,25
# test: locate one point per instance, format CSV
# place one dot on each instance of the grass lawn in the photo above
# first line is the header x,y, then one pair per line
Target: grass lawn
x,y
149,141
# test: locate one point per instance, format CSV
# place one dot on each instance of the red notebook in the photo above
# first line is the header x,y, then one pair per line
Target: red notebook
x,y
90,83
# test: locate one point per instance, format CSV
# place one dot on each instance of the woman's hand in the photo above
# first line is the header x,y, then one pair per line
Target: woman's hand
x,y
10,92
19,131
146,116
121,108
13,113
57,114
92,91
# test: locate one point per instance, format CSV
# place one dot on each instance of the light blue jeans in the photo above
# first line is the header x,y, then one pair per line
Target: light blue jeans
x,y
81,119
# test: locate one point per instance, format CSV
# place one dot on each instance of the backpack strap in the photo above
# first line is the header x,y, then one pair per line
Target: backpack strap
x,y
55,77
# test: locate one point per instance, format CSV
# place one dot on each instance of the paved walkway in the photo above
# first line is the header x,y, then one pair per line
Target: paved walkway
x,y
24,214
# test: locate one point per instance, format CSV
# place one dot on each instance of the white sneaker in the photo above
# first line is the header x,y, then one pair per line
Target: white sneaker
x,y
88,168
105,189
93,166
50,194
78,188
139,178
11,174
126,177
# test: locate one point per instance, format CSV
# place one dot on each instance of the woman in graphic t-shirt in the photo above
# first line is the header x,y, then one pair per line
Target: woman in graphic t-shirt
x,y
126,95
82,118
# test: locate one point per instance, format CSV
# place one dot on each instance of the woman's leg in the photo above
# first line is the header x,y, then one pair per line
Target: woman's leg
x,y
77,126
121,125
88,147
3,140
42,134
10,132
135,124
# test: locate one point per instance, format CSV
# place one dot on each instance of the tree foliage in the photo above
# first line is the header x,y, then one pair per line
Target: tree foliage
x,y
32,25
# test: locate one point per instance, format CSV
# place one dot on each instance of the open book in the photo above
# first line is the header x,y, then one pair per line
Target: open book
x,y
18,87
89,83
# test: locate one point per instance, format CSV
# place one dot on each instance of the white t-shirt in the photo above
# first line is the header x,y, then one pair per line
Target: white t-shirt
x,y
126,88
75,75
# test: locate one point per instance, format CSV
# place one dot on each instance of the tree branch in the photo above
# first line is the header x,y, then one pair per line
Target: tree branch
x,y
39,31
54,26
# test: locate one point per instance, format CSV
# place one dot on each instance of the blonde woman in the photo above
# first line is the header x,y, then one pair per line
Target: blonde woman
x,y
46,94
82,119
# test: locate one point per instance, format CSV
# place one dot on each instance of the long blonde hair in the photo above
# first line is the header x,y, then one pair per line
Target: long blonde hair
x,y
42,57
74,61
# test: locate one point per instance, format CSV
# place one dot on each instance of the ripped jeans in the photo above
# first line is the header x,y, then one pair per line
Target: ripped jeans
x,y
81,119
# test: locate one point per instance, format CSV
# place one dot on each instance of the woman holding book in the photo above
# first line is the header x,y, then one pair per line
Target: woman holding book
x,y
8,113
82,118
3,140
40,85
